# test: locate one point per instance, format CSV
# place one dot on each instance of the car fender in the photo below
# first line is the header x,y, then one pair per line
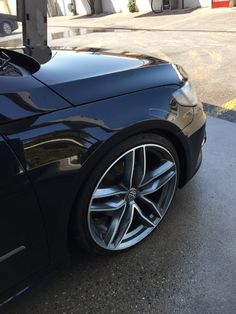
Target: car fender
x,y
59,149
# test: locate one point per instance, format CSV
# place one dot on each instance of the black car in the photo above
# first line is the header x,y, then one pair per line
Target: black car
x,y
8,24
93,148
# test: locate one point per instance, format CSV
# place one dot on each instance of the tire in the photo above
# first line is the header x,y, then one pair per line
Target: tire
x,y
154,7
126,195
6,28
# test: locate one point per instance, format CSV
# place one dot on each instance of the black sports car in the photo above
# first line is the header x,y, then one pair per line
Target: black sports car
x,y
93,148
8,24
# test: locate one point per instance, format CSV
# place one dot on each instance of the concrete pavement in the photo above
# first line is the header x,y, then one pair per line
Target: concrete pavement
x,y
187,266
200,19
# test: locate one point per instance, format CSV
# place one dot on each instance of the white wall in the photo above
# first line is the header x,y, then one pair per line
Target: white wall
x,y
112,6
62,6
116,6
82,7
12,6
144,5
197,3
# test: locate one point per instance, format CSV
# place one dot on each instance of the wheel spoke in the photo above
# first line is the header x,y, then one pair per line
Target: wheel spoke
x,y
109,192
124,224
144,219
112,229
140,166
129,169
155,185
109,206
132,196
158,172
153,207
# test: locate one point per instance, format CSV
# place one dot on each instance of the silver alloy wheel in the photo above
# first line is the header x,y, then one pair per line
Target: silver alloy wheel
x,y
7,29
132,197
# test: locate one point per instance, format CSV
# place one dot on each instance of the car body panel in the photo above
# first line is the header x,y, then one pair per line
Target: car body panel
x,y
92,77
60,129
23,96
59,147
23,244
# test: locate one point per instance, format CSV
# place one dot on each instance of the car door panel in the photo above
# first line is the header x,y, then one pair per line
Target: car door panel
x,y
23,244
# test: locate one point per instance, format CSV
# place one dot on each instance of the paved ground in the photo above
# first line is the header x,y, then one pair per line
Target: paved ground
x,y
203,41
187,266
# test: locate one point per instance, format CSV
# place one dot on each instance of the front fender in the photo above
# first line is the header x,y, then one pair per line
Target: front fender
x,y
59,149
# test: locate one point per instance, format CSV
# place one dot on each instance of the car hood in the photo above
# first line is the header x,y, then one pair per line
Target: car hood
x,y
86,77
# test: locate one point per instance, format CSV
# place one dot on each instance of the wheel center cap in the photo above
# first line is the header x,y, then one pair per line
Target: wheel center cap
x,y
131,194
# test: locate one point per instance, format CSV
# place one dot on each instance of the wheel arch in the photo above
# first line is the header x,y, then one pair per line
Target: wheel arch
x,y
163,128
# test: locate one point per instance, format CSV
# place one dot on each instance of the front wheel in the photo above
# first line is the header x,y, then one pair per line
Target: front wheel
x,y
127,194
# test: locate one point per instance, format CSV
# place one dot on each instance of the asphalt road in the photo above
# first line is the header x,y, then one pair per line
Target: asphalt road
x,y
186,266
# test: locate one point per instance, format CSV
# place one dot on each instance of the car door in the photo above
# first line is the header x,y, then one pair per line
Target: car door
x,y
23,245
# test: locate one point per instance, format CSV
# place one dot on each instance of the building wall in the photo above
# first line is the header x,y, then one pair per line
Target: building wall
x,y
109,6
62,7
12,4
8,6
82,7
196,3
112,6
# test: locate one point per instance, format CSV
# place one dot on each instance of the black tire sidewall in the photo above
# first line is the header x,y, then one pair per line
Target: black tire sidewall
x,y
80,220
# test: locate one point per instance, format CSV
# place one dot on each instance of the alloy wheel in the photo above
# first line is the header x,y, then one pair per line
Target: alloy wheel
x,y
132,197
